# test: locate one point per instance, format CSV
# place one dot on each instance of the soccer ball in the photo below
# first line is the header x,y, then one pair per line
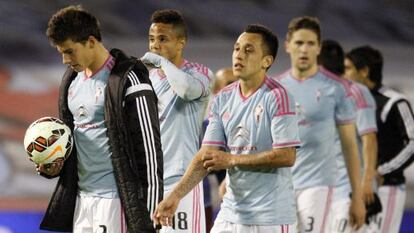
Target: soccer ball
x,y
48,140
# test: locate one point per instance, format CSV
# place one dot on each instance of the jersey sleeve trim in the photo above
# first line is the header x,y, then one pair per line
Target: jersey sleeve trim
x,y
214,143
286,144
346,121
367,131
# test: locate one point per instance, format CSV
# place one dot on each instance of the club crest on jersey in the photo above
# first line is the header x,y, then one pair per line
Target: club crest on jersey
x,y
258,112
161,74
318,95
98,93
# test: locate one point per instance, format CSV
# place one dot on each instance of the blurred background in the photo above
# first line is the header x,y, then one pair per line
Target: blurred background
x,y
30,69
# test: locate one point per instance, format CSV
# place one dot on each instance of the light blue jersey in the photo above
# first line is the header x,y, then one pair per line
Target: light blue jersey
x,y
180,119
86,103
249,125
364,104
322,102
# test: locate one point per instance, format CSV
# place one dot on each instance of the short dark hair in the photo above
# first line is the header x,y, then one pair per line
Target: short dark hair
x,y
270,41
72,22
366,56
173,17
332,57
304,22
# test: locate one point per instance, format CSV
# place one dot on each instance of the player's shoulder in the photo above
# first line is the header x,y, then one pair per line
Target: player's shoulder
x,y
335,80
196,67
277,91
282,76
391,93
228,90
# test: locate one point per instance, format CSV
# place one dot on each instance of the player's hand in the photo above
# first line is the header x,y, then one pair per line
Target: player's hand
x,y
153,59
357,212
50,169
214,160
367,191
165,210
380,179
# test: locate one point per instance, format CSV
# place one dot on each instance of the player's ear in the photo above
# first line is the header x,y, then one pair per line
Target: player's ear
x,y
364,72
91,42
286,46
267,61
182,41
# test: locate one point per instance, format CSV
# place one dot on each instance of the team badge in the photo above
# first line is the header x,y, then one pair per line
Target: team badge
x,y
161,73
98,93
318,95
258,112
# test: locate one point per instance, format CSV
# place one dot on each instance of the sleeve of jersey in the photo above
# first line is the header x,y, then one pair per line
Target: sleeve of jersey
x,y
190,85
143,126
366,121
405,119
344,108
284,128
214,135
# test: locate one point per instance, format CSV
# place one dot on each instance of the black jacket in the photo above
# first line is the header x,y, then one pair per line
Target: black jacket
x,y
131,118
395,134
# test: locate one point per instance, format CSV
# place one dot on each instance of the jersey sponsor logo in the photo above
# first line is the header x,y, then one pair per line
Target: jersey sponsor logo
x,y
240,134
240,140
238,149
82,112
87,126
258,112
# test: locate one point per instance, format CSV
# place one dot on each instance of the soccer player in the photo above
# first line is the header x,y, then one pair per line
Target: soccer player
x,y
332,58
183,90
323,104
114,174
223,78
254,120
395,136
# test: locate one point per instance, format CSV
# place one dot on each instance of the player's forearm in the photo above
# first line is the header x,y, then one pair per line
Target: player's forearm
x,y
193,175
350,151
370,153
182,83
283,157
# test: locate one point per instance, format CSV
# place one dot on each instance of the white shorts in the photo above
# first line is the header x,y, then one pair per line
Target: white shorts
x,y
313,207
189,216
339,217
98,215
222,226
392,201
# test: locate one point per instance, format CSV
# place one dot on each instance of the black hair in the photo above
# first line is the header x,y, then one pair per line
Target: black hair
x,y
72,22
332,57
173,17
366,56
